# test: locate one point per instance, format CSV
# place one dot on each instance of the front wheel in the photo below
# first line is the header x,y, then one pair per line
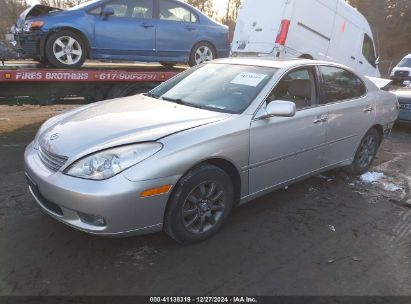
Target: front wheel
x,y
366,152
201,53
65,50
199,205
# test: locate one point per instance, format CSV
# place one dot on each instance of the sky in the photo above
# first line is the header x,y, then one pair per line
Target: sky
x,y
219,5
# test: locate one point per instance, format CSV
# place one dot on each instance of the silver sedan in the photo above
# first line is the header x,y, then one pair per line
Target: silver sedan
x,y
215,136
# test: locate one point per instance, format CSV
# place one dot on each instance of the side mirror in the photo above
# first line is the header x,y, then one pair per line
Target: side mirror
x,y
280,108
377,61
107,11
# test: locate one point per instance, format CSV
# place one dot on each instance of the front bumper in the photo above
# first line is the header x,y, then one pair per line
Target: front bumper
x,y
27,44
116,201
405,115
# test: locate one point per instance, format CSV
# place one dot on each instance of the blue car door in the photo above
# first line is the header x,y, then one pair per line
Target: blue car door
x,y
177,31
129,33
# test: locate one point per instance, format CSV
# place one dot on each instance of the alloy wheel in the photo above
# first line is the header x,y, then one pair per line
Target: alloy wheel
x,y
367,151
67,50
204,207
203,54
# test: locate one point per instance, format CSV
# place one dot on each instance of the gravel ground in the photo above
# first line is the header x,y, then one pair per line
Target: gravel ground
x,y
329,235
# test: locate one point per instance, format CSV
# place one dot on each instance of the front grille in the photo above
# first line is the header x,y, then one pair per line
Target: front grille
x,y
52,161
401,73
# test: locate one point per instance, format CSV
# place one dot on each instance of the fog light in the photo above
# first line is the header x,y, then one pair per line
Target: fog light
x,y
92,219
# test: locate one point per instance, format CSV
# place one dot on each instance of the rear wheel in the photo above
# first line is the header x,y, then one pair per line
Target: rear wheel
x,y
202,52
66,50
199,205
366,152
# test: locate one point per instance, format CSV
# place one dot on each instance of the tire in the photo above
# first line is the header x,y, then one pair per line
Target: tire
x,y
196,210
65,50
202,52
366,152
168,64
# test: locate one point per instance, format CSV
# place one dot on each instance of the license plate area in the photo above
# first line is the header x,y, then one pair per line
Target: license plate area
x,y
405,106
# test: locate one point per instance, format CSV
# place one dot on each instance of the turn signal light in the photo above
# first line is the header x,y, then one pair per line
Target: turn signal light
x,y
36,25
156,191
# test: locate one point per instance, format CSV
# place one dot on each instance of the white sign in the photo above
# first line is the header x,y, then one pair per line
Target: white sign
x,y
249,79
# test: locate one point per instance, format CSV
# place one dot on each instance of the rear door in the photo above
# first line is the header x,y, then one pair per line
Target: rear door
x,y
350,112
129,33
177,31
257,25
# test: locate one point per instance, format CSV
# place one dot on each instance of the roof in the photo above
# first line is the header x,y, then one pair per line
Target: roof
x,y
273,62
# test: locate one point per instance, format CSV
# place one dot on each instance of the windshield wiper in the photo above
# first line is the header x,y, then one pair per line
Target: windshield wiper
x,y
184,103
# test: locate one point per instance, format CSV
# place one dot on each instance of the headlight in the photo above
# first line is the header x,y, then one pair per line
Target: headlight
x,y
33,25
106,164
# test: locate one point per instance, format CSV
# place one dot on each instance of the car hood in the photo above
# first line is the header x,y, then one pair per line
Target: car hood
x,y
120,122
35,11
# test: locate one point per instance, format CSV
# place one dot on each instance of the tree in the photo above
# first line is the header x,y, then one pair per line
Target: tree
x,y
61,3
10,11
206,6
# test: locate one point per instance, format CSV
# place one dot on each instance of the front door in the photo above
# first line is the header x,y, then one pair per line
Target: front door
x,y
282,149
128,34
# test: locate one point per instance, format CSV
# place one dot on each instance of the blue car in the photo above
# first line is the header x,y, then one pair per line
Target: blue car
x,y
165,31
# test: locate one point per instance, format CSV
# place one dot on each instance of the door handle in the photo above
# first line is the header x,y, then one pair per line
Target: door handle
x,y
146,25
352,57
321,119
368,109
189,28
361,62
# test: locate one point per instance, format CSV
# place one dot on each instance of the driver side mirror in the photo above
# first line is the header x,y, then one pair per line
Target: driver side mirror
x,y
107,12
280,108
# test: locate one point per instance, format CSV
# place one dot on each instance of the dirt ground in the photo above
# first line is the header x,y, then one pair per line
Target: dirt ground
x,y
329,235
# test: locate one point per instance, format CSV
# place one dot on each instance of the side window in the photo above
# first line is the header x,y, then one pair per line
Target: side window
x,y
142,9
297,86
174,12
339,84
96,11
368,50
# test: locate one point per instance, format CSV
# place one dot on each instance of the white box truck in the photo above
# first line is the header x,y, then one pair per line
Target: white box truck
x,y
329,30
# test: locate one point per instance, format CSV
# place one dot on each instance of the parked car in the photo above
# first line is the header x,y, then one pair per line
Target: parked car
x,y
402,72
404,99
217,135
329,30
167,31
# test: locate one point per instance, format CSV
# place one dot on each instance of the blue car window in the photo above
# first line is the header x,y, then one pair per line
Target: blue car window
x,y
142,9
174,12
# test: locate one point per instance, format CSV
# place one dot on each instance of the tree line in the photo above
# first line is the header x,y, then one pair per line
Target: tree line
x,y
389,19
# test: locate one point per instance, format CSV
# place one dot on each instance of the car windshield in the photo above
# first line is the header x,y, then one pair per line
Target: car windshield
x,y
217,87
87,3
405,63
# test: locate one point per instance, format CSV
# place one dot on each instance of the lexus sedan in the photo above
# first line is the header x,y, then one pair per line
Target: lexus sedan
x,y
220,134
168,31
